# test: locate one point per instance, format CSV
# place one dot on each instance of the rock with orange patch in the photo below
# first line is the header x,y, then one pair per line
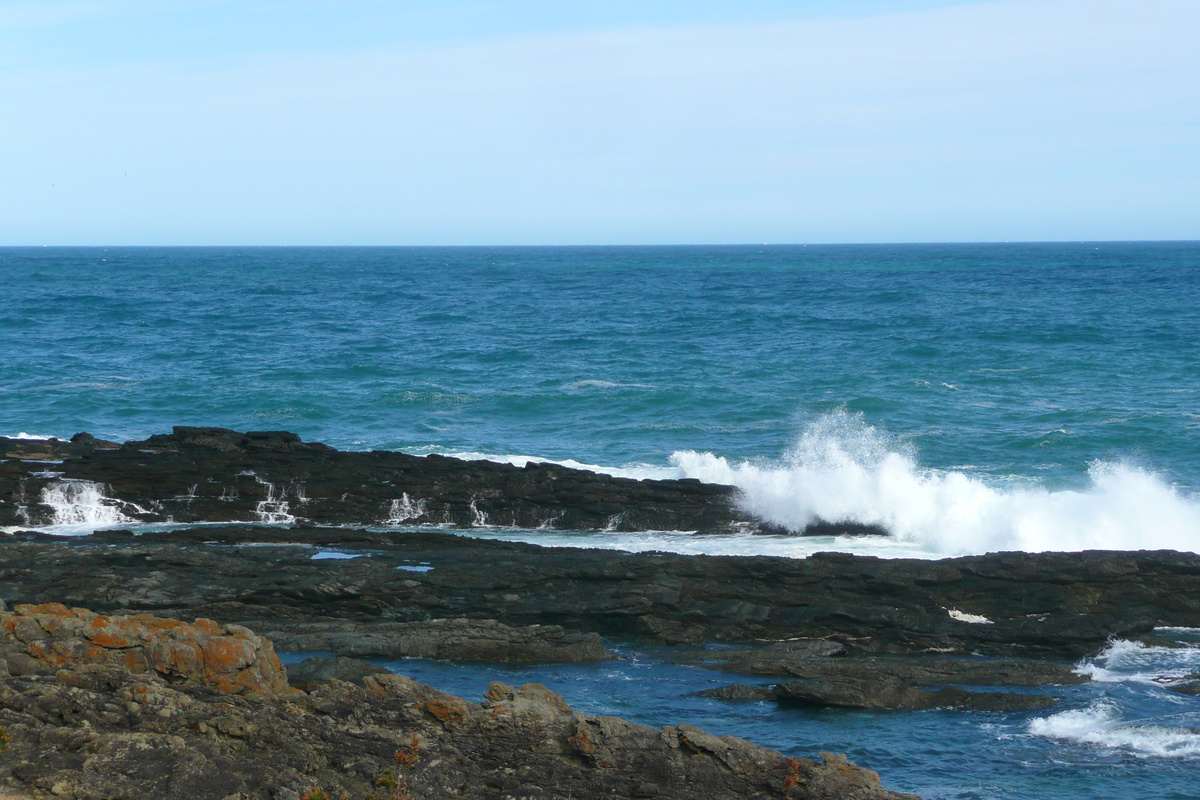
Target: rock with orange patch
x,y
230,658
449,709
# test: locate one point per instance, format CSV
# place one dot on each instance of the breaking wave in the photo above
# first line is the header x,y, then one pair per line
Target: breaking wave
x,y
1125,661
843,469
1103,725
1135,678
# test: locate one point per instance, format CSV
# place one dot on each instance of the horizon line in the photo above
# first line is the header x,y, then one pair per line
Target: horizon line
x,y
590,245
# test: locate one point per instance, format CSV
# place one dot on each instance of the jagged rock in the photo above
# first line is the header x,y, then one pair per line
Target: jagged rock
x,y
103,732
37,638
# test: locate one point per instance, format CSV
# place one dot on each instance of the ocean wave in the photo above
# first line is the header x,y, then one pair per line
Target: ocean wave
x,y
1134,662
843,469
1102,724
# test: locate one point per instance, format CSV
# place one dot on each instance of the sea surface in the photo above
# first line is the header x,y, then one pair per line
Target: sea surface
x,y
970,398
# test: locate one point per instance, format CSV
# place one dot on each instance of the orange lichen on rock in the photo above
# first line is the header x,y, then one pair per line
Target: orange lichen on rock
x,y
230,657
447,709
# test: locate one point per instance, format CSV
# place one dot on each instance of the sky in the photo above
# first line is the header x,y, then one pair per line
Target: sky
x,y
363,122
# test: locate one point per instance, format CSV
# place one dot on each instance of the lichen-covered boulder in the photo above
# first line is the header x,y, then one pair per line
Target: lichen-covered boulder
x,y
229,658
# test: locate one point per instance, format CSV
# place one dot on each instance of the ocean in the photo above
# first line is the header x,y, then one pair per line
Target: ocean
x,y
968,397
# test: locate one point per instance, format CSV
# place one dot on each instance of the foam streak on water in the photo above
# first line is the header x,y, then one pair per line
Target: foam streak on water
x,y
844,469
1134,679
1101,724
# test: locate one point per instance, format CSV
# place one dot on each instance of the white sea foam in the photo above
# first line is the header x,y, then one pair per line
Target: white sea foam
x,y
687,543
1124,661
81,507
636,471
842,469
32,437
1101,724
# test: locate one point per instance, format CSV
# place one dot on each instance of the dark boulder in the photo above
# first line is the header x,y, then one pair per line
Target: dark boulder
x,y
740,691
885,694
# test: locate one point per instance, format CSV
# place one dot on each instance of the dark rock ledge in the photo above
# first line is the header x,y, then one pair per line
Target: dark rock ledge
x,y
819,674
219,475
94,707
1047,605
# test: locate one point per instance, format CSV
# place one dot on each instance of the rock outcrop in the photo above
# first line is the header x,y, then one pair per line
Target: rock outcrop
x,y
219,475
39,638
102,731
458,639
844,692
891,682
1042,605
798,660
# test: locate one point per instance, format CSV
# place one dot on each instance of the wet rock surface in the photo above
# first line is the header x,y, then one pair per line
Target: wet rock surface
x,y
1048,605
219,475
1188,684
874,693
884,682
922,670
103,732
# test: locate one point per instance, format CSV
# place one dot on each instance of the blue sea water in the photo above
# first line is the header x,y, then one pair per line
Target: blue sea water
x,y
969,397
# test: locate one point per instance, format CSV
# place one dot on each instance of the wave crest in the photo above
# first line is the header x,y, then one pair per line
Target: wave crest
x,y
843,469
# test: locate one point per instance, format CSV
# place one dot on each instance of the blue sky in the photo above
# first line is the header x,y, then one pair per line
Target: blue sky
x,y
536,122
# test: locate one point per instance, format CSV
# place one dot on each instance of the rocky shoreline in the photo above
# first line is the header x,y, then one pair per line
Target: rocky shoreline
x,y
833,630
96,707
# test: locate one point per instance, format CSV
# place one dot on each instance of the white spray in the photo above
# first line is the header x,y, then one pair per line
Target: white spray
x,y
843,469
82,504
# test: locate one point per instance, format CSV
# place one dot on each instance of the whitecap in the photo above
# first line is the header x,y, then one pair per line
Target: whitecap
x,y
843,469
1101,724
1124,661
